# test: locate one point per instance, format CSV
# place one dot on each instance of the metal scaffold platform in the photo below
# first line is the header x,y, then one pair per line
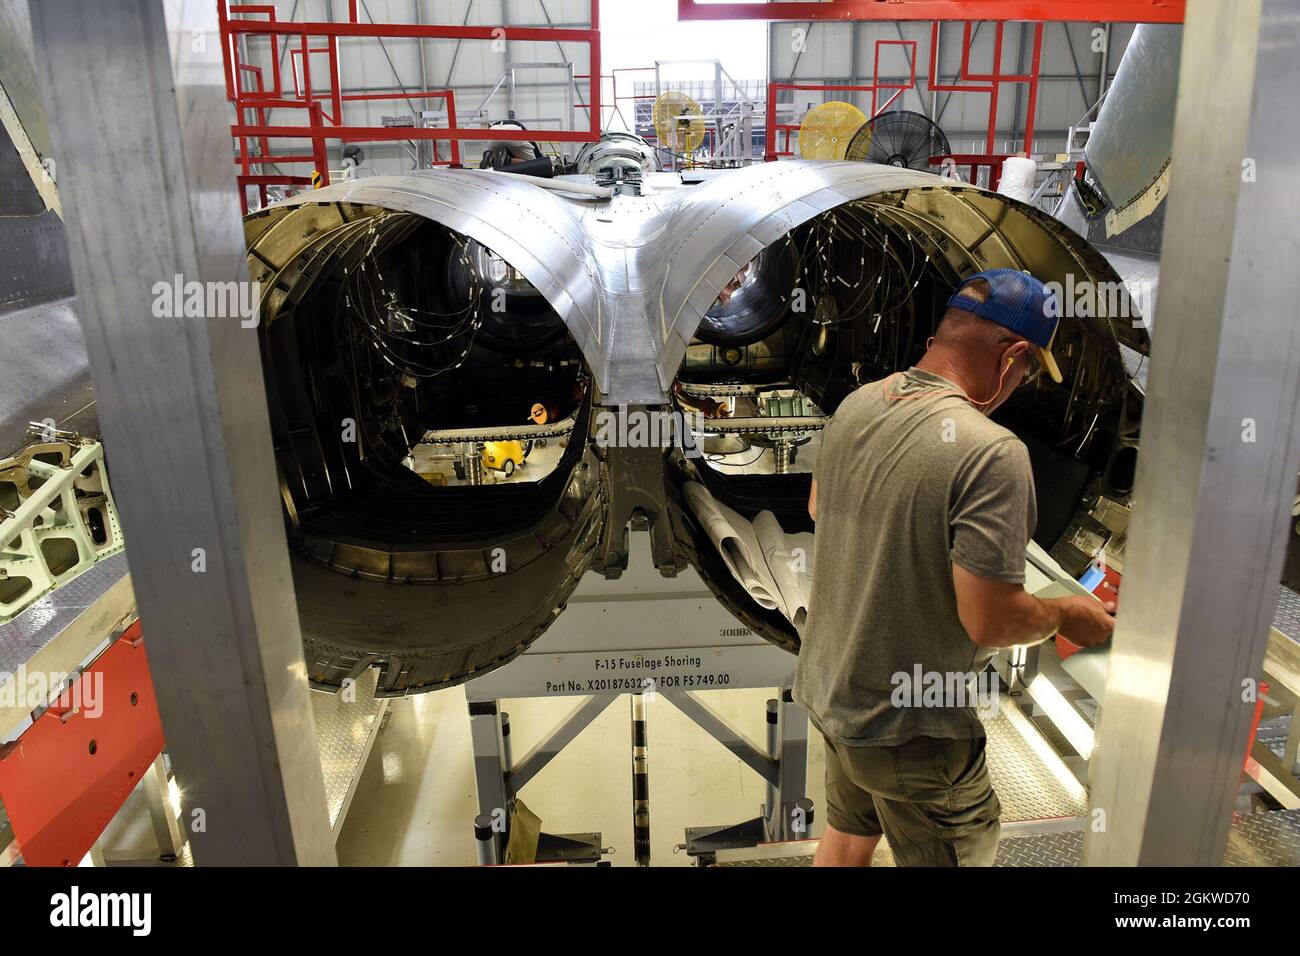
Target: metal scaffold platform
x,y
1256,839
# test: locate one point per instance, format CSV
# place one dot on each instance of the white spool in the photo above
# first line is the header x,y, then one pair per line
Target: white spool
x,y
1019,176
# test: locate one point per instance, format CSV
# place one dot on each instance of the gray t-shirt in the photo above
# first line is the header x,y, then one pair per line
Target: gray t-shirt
x,y
910,479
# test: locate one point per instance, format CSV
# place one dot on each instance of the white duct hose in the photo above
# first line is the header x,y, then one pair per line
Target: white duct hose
x,y
774,568
1019,177
563,185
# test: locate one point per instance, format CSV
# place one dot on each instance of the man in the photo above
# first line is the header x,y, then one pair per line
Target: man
x,y
924,508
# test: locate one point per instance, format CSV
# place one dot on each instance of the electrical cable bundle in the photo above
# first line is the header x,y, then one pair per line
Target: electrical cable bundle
x,y
398,331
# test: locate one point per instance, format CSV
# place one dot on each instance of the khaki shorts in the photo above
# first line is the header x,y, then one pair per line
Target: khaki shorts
x,y
931,798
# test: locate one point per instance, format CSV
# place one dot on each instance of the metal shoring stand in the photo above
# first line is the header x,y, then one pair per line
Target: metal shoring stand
x,y
640,783
783,764
489,782
646,636
497,781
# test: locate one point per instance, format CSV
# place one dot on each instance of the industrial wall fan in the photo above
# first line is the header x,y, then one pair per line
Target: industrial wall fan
x,y
678,122
899,138
827,129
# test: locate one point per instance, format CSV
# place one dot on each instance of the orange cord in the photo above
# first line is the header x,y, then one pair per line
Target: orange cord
x,y
952,391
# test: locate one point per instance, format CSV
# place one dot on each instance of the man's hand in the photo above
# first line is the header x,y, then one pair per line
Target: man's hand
x,y
1000,614
1086,621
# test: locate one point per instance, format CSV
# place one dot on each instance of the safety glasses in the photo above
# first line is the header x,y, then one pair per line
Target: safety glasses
x,y
1035,369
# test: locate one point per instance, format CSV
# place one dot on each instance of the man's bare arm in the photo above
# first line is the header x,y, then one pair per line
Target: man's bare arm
x,y
998,614
812,501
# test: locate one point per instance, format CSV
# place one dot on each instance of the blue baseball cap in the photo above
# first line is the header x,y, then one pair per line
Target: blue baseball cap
x,y
1018,302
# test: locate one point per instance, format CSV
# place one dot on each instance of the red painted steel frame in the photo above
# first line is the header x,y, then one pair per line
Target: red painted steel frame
x,y
1093,11
968,82
773,127
70,772
989,83
321,124
974,160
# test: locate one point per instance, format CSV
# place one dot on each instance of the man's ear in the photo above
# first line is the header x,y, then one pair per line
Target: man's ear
x,y
1015,351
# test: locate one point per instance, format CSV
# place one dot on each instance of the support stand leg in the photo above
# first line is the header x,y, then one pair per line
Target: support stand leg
x,y
489,773
166,828
792,772
640,784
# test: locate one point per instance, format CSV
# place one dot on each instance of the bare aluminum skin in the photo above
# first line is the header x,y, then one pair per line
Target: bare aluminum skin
x,y
633,275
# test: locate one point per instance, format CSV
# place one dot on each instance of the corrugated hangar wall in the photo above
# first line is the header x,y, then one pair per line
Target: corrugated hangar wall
x,y
844,53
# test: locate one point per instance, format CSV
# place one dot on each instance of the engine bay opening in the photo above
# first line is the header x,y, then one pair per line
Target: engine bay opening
x,y
419,353
859,290
425,399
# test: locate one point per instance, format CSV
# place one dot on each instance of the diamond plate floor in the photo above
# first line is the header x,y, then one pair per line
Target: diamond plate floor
x,y
1030,779
42,623
1264,839
1256,839
344,731
1042,849
1286,614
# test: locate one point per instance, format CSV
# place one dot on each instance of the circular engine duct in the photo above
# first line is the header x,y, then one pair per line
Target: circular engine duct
x,y
866,283
402,358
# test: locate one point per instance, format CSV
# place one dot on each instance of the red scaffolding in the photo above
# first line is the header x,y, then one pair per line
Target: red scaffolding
x,y
967,82
322,104
970,11
773,88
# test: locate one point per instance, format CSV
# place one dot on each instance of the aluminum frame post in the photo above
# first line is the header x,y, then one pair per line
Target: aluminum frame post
x,y
485,844
490,790
1217,472
570,96
792,763
772,805
135,91
507,751
166,828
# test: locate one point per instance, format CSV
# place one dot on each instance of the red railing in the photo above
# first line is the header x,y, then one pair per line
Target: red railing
x,y
974,162
989,84
774,127
251,106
